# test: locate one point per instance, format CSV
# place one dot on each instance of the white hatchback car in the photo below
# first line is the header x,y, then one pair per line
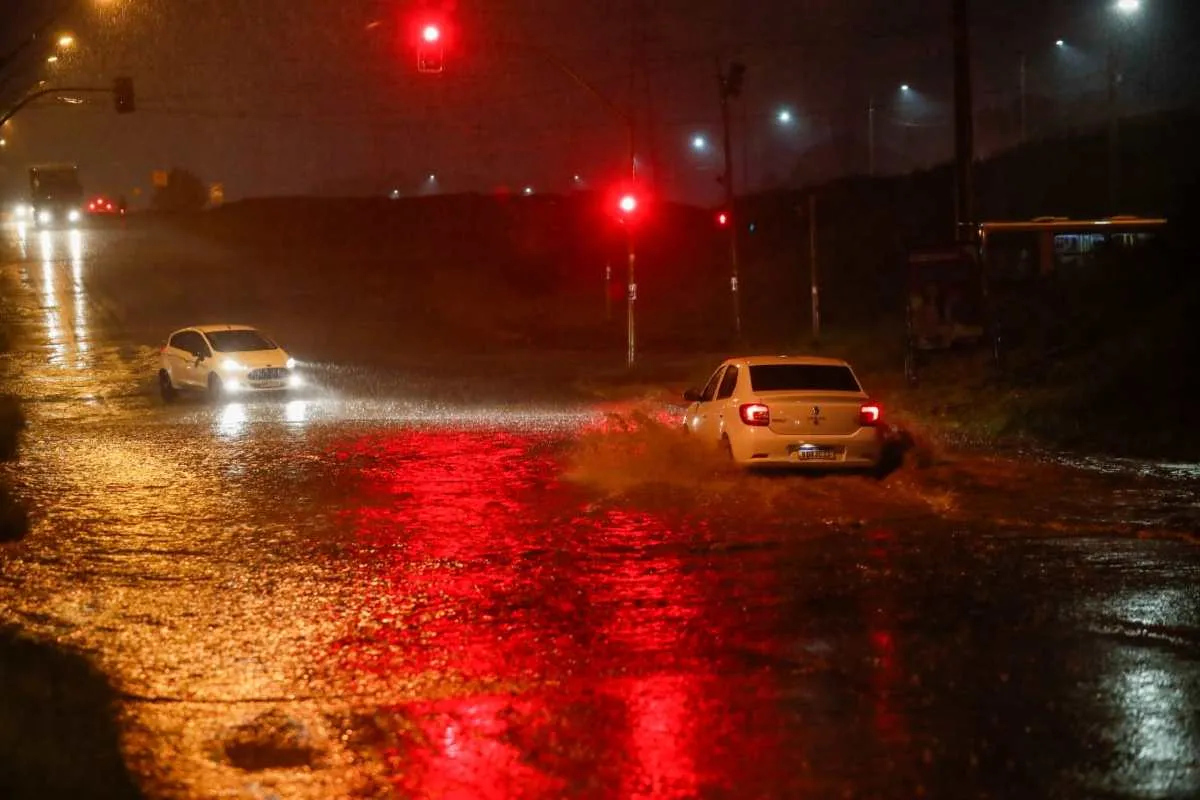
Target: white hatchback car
x,y
801,411
224,360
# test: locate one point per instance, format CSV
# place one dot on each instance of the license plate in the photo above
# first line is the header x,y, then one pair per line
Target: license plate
x,y
268,384
815,454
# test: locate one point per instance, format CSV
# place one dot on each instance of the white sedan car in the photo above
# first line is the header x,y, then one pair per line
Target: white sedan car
x,y
800,411
224,360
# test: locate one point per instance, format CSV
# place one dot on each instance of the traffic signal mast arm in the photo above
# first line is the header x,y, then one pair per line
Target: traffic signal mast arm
x,y
116,90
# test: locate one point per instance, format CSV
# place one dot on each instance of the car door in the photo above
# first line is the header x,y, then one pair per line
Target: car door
x,y
204,363
180,357
703,421
724,405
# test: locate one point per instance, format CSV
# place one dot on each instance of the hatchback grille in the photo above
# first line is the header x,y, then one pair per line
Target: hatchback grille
x,y
268,374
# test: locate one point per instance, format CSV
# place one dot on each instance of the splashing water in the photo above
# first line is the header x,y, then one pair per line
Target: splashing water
x,y
647,458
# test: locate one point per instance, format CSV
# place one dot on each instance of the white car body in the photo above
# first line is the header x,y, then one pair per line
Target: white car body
x,y
805,411
224,360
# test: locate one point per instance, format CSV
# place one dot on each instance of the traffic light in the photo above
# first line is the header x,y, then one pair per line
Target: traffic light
x,y
123,95
629,207
430,32
722,219
431,49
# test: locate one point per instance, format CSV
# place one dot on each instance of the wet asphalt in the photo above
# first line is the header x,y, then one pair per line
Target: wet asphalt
x,y
419,583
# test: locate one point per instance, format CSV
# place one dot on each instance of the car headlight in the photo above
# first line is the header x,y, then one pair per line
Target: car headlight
x,y
73,216
295,380
231,365
291,363
45,216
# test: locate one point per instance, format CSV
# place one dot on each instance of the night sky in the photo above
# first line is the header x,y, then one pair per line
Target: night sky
x,y
300,96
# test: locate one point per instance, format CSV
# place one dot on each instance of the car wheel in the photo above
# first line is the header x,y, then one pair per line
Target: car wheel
x,y
165,388
216,391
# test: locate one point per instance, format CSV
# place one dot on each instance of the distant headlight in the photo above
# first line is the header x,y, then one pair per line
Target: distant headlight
x,y
295,380
73,216
45,216
291,363
230,364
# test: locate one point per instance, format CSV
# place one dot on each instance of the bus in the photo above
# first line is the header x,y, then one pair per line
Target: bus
x,y
966,296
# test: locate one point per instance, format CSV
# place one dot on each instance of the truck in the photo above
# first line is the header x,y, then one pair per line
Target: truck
x,y
55,195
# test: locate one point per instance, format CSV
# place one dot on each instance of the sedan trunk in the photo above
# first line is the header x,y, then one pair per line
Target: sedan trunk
x,y
813,413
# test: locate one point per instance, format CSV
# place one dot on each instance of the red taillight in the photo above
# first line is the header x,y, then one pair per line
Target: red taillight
x,y
870,414
109,206
755,414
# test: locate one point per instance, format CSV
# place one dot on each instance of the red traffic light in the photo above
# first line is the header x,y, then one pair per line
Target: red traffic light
x,y
628,204
432,34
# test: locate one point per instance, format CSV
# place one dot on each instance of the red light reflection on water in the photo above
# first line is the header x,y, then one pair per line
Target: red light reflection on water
x,y
530,645
887,677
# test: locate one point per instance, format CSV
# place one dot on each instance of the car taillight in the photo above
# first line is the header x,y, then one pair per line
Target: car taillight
x,y
755,414
870,414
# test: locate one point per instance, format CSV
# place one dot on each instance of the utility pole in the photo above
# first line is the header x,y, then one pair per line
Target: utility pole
x,y
729,84
964,130
812,267
871,136
1114,132
1024,110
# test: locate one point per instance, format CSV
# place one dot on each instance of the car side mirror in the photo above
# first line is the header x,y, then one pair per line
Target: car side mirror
x,y
692,395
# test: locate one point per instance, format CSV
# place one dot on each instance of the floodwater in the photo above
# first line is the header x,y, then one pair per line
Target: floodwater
x,y
398,585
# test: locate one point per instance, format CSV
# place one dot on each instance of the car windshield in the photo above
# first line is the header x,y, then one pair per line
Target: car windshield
x,y
803,377
239,341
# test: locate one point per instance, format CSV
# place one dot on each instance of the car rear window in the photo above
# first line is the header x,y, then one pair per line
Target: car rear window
x,y
239,341
802,377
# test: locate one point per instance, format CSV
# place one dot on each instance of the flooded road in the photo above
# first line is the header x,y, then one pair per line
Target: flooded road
x,y
397,585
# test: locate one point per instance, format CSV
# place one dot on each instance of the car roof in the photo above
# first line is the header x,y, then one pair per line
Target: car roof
x,y
214,328
754,361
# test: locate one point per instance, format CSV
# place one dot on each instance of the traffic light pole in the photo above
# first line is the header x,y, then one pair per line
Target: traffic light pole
x,y
29,98
733,228
631,302
729,84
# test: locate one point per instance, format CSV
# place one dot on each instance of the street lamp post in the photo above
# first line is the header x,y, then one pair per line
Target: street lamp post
x,y
1126,9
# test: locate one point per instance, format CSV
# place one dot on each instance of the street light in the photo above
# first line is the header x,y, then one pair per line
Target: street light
x,y
1060,43
699,143
784,116
66,40
1129,6
52,59
904,87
